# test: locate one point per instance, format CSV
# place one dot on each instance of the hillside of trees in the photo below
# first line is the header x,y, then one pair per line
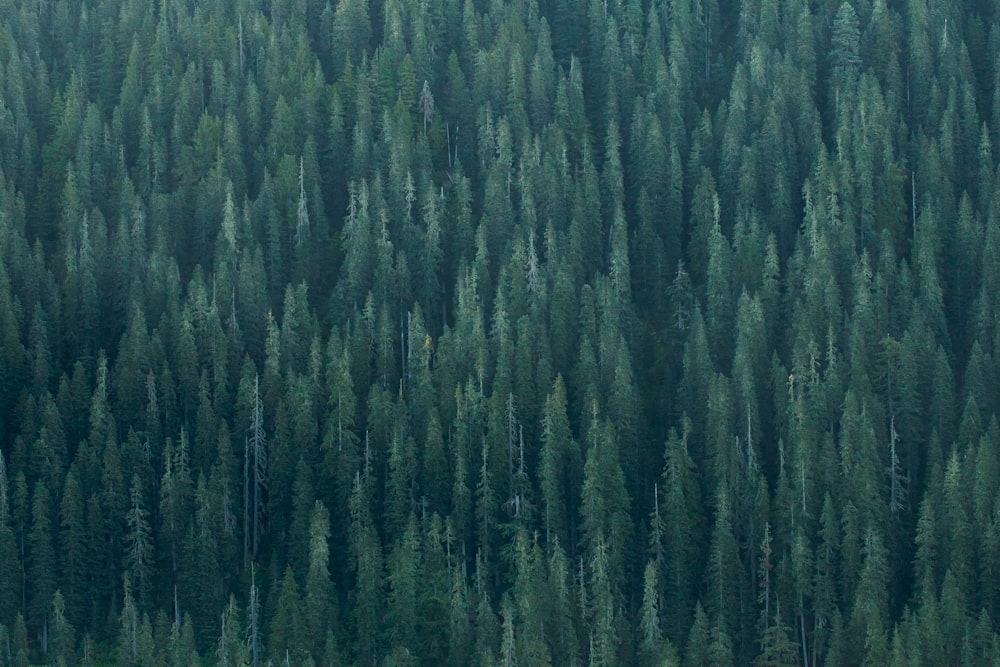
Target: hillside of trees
x,y
499,332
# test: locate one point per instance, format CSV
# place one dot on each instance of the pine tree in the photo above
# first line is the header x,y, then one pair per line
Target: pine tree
x,y
487,634
181,646
62,643
128,641
367,566
605,611
530,600
223,485
176,509
719,297
725,581
825,577
254,477
651,639
486,506
605,503
286,640
10,584
138,542
404,567
459,619
297,535
41,564
777,647
508,644
845,45
231,649
254,632
870,612
681,540
19,645
697,650
559,466
198,582
565,642
320,602
10,579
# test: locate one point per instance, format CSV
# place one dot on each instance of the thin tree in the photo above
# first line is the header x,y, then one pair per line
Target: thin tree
x,y
253,621
138,543
254,478
426,104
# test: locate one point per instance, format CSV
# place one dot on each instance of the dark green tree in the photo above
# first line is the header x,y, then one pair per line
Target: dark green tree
x,y
559,467
605,505
41,564
139,548
62,642
286,636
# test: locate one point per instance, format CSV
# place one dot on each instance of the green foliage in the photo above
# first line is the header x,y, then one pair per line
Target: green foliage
x,y
286,635
138,544
606,524
405,299
40,560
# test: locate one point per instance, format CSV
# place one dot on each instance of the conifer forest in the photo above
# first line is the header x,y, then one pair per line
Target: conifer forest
x,y
386,333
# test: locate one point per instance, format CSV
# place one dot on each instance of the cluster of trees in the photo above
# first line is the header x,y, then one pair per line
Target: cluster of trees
x,y
655,332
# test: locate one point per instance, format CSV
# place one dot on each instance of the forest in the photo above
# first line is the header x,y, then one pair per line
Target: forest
x,y
499,332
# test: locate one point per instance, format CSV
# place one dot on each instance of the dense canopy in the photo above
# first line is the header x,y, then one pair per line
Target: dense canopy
x,y
499,332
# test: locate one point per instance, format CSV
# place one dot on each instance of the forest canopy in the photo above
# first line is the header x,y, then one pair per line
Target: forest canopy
x,y
499,332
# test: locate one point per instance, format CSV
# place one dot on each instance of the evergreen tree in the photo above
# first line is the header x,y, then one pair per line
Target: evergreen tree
x,y
231,649
254,475
559,466
652,646
605,505
725,580
367,565
41,565
286,641
320,600
62,643
698,639
254,632
10,581
176,509
403,566
681,543
130,628
138,544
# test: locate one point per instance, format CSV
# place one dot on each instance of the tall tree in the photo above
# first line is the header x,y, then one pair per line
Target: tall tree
x,y
559,467
254,475
286,640
176,507
320,597
605,505
138,542
41,564
368,570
